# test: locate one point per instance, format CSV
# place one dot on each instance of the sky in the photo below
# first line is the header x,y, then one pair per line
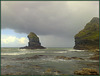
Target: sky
x,y
55,22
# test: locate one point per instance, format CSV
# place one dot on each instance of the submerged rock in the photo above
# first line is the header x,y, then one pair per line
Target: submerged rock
x,y
34,42
36,57
36,67
77,58
62,57
51,71
8,66
88,38
68,58
16,73
86,71
95,57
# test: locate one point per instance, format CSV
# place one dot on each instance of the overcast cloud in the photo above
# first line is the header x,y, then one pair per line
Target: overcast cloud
x,y
56,22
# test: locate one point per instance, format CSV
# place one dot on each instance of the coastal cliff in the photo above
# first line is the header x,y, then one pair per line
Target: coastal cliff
x,y
88,38
34,42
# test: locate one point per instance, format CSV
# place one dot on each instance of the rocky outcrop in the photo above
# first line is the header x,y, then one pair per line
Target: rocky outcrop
x,y
86,71
51,71
34,42
88,38
68,58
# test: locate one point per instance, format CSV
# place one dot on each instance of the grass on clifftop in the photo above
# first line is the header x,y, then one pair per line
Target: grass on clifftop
x,y
90,32
32,35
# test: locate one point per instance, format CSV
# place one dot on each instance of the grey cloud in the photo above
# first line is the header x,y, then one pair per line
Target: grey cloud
x,y
56,18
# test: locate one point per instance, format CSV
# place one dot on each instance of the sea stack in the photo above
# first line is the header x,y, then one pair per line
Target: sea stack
x,y
88,38
34,42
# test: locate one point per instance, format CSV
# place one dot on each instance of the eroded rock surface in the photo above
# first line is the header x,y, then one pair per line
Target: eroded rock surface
x,y
34,42
86,71
88,38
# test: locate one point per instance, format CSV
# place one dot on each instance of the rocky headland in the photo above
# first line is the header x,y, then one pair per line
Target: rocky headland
x,y
34,42
88,38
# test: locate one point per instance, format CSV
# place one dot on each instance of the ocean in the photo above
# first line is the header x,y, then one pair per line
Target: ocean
x,y
49,61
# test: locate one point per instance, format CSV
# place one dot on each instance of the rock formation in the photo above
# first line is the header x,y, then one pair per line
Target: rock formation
x,y
34,42
88,38
86,71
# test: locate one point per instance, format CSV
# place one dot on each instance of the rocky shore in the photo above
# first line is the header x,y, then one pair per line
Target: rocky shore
x,y
86,71
88,39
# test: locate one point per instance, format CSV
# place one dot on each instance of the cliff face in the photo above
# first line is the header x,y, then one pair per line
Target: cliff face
x,y
88,38
34,42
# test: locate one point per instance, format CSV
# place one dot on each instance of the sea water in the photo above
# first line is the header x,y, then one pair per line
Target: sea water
x,y
22,61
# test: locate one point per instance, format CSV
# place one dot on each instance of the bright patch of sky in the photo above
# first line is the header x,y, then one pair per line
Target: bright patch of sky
x,y
12,33
9,38
13,41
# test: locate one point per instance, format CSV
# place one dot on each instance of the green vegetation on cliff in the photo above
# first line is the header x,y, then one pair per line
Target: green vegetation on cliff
x,y
91,30
33,35
88,38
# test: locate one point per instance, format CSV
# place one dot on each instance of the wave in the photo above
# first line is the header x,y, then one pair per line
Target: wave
x,y
21,49
12,53
91,54
54,60
60,52
75,50
22,53
91,60
38,52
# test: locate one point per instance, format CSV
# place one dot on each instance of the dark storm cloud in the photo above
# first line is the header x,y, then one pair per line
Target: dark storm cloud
x,y
62,19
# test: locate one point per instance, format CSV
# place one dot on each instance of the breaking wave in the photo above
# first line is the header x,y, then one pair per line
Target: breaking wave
x,y
75,50
22,52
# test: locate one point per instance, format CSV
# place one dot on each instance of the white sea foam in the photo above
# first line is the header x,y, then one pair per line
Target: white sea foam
x,y
21,49
54,60
92,60
74,50
60,52
59,60
22,52
91,54
12,53
38,52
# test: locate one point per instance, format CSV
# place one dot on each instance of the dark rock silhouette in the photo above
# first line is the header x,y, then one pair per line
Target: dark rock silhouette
x,y
88,38
34,42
